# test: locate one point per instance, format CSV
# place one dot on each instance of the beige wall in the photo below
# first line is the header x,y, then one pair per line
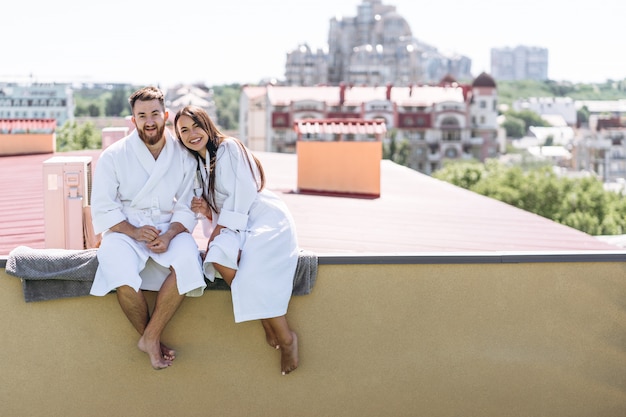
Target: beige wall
x,y
27,143
537,339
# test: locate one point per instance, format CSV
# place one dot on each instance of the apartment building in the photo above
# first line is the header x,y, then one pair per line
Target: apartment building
x,y
519,63
550,108
36,101
600,147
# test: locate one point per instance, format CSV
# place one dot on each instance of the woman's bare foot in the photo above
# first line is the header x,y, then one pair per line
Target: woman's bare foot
x,y
270,336
154,351
289,355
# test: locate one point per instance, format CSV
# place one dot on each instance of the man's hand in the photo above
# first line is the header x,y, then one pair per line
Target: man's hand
x,y
160,244
145,233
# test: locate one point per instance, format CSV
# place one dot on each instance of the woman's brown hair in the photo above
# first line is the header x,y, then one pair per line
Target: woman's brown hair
x,y
201,118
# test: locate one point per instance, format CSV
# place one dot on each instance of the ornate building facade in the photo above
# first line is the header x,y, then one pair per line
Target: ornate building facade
x,y
438,122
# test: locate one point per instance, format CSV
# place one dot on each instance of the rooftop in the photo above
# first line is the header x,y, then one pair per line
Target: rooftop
x,y
415,213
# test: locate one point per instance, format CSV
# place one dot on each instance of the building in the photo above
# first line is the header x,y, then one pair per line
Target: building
x,y
180,96
519,63
306,67
39,101
549,107
438,122
601,144
375,47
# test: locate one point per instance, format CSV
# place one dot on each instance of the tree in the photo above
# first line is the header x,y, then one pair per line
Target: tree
x,y
582,116
581,203
396,152
529,117
72,137
117,103
514,127
227,102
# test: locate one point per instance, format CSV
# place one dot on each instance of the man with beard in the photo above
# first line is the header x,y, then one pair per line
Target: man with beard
x,y
140,202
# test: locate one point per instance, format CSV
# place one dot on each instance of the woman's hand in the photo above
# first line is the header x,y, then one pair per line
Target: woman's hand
x,y
200,205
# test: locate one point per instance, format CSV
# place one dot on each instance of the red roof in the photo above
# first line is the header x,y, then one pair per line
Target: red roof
x,y
415,213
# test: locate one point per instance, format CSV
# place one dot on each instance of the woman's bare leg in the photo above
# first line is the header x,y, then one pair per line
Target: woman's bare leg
x,y
277,331
288,343
270,336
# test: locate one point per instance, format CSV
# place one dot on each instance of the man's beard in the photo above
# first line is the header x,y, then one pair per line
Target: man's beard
x,y
151,140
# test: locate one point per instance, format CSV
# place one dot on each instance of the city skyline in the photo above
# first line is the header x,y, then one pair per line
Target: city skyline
x,y
242,41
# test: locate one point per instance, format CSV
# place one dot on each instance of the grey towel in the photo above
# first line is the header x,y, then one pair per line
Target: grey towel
x,y
306,273
48,274
303,280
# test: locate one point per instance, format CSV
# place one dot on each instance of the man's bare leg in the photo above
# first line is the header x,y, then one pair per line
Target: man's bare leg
x,y
135,306
288,342
167,302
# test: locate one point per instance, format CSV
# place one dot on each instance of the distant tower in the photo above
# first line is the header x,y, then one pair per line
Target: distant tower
x,y
375,47
484,115
305,67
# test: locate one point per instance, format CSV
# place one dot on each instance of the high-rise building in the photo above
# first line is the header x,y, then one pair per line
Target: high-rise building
x,y
519,63
375,47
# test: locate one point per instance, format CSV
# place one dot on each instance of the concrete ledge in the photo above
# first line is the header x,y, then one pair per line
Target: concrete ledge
x,y
432,339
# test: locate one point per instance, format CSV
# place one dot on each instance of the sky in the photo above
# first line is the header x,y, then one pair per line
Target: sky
x,y
244,41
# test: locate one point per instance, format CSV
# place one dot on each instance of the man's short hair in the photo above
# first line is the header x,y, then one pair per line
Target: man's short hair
x,y
147,94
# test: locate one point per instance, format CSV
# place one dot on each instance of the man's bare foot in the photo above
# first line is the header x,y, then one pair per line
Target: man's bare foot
x,y
270,336
168,354
289,355
153,349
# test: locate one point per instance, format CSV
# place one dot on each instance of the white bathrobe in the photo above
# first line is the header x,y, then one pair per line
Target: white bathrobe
x,y
129,184
260,225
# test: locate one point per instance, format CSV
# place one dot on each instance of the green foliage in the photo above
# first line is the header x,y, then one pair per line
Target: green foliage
x,y
529,117
581,203
116,103
72,137
227,103
509,91
397,152
462,174
84,107
514,127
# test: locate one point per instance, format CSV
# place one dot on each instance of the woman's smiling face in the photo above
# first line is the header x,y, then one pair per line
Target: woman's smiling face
x,y
192,135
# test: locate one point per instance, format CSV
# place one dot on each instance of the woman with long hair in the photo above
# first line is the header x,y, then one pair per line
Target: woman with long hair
x,y
252,239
